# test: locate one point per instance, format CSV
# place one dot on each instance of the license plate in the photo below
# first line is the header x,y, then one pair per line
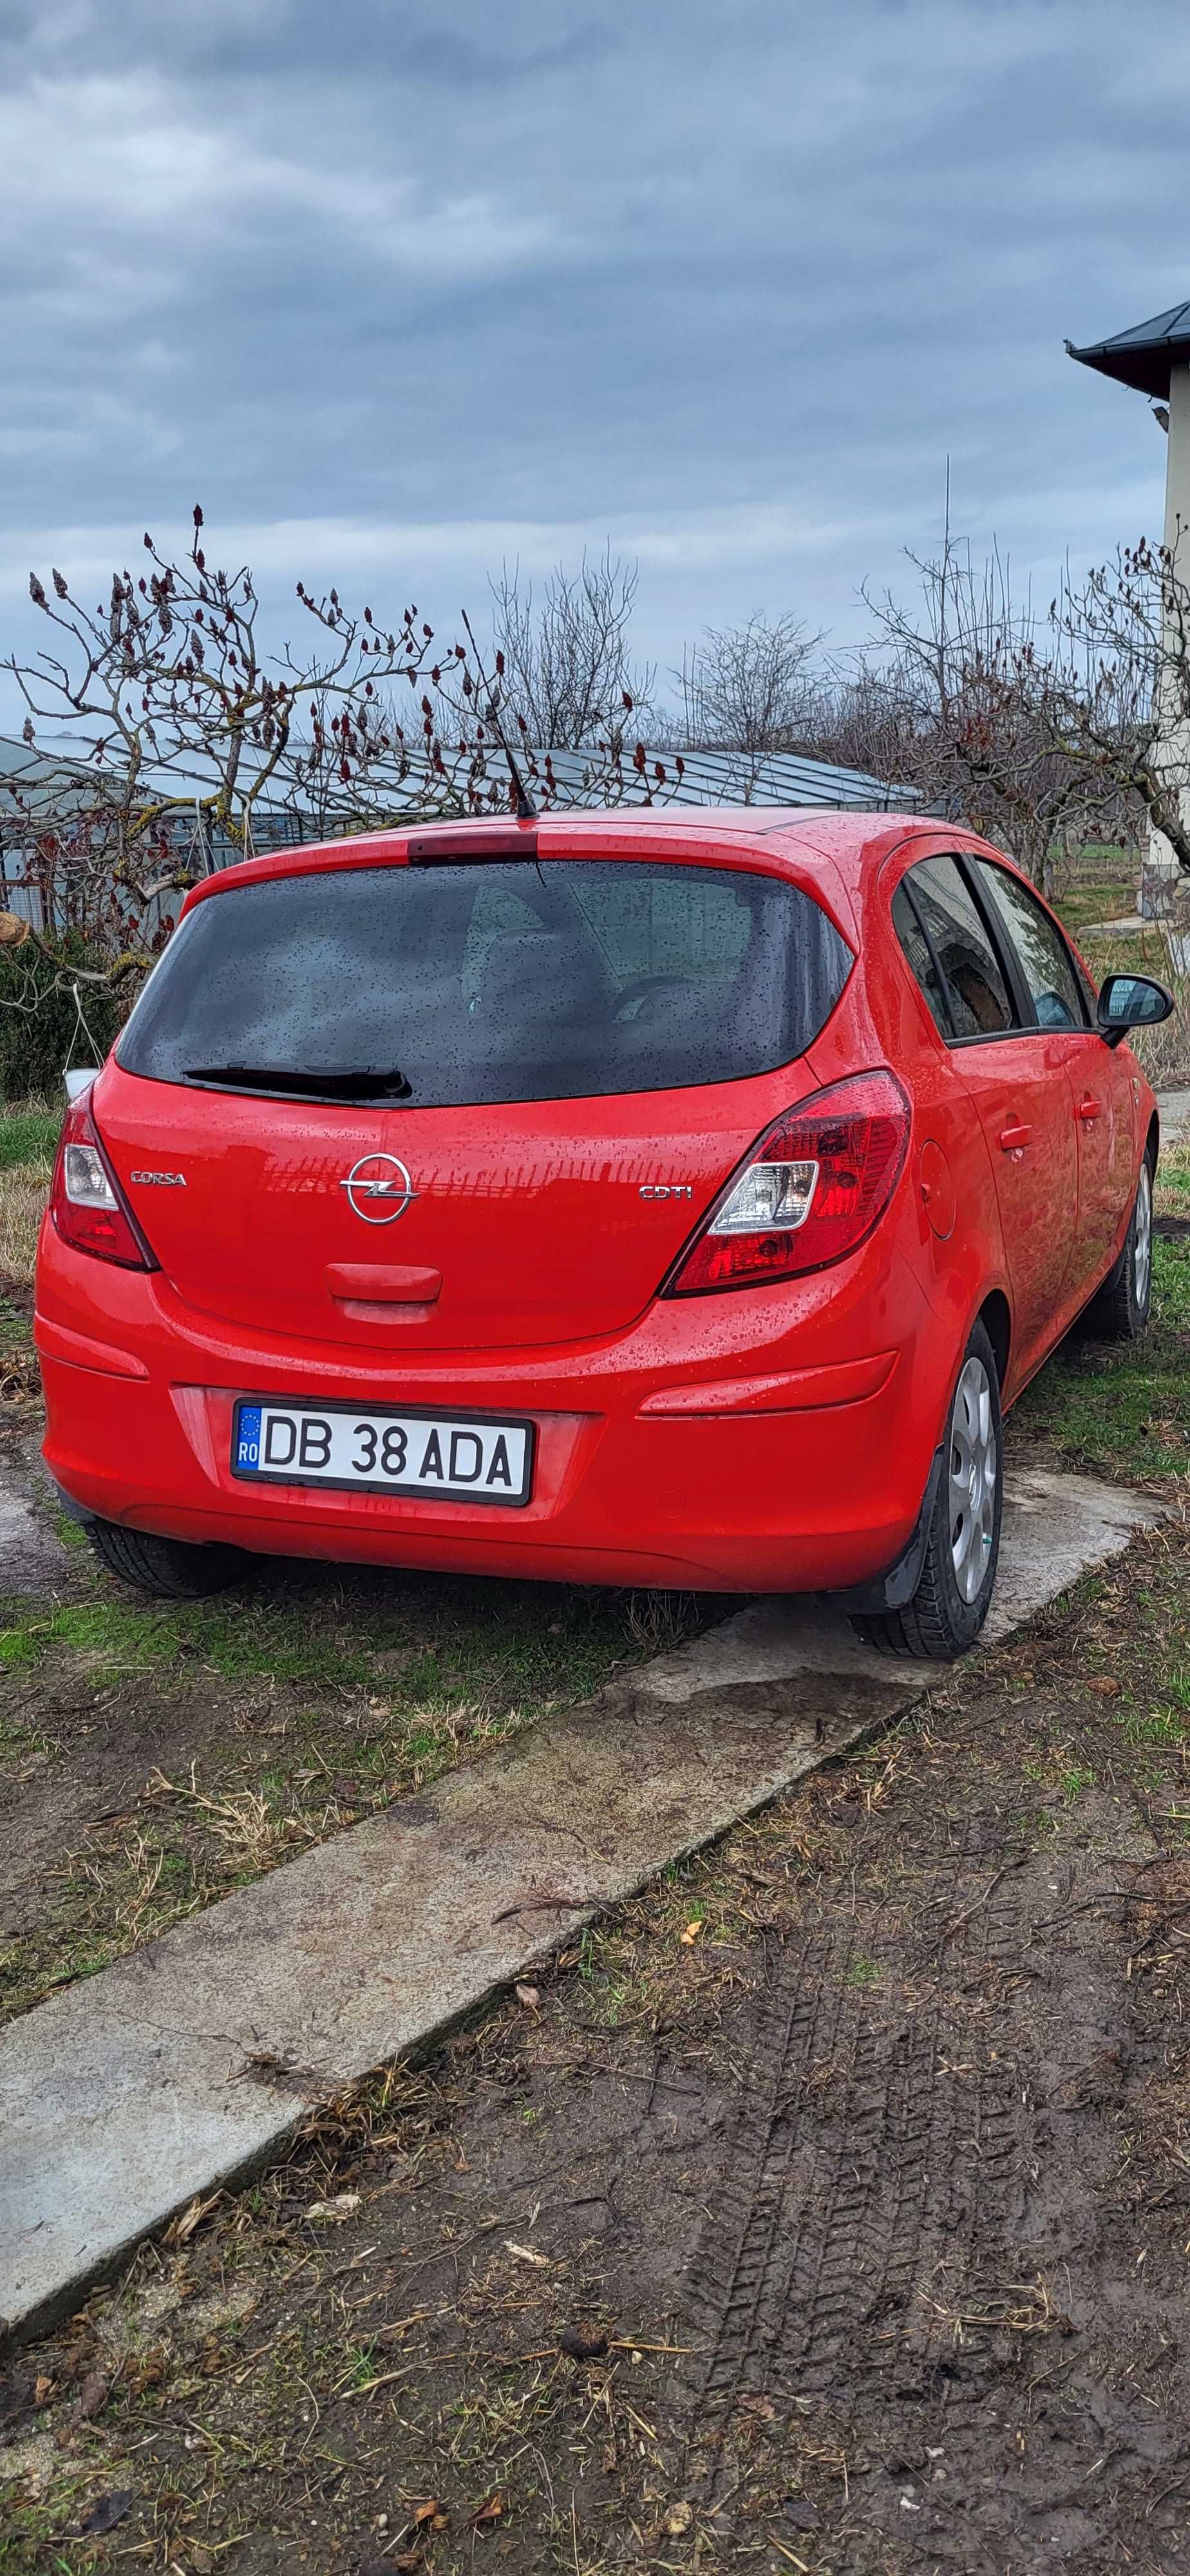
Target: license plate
x,y
465,1457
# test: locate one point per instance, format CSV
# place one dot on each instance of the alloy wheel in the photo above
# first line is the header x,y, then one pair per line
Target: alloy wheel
x,y
1142,1255
973,1468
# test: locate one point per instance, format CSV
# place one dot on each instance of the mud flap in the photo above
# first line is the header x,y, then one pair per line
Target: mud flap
x,y
891,1591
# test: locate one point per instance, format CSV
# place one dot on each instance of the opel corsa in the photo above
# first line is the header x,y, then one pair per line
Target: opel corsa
x,y
669,1199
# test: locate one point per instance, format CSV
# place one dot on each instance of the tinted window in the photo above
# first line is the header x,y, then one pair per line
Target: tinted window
x,y
980,1005
1044,958
917,949
499,981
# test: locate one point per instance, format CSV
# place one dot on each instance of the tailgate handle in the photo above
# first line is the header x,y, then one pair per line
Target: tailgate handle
x,y
381,1283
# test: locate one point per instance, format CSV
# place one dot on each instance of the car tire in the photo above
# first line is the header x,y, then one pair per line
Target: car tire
x,y
945,1614
168,1568
1120,1310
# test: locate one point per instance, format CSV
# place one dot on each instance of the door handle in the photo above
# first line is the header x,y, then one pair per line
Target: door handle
x,y
1089,1110
1013,1138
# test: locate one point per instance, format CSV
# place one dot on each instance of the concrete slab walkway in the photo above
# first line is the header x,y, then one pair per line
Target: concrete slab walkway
x,y
195,2058
33,1559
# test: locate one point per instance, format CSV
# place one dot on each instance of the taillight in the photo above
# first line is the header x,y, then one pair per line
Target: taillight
x,y
810,1191
86,1202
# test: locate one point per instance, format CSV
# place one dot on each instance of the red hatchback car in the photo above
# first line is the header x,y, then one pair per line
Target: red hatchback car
x,y
667,1199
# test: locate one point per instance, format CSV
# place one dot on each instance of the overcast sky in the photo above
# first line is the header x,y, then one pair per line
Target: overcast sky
x,y
398,292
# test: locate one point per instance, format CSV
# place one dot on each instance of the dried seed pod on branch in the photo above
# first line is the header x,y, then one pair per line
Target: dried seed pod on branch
x,y
164,739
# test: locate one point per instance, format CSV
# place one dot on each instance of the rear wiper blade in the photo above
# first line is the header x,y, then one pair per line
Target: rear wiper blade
x,y
357,1082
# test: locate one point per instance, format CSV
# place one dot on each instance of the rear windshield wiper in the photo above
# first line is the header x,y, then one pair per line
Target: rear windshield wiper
x,y
356,1082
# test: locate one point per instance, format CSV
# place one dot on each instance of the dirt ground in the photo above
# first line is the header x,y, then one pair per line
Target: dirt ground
x,y
829,2208
153,1757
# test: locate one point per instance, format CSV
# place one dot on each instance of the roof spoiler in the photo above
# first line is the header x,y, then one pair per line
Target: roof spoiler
x,y
461,844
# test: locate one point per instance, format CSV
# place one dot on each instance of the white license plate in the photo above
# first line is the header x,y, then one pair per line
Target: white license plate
x,y
449,1454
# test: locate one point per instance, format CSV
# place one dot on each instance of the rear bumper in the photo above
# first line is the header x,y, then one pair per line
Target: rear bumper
x,y
752,1442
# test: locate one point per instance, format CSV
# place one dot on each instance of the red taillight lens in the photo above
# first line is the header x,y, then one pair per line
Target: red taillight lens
x,y
810,1191
85,1199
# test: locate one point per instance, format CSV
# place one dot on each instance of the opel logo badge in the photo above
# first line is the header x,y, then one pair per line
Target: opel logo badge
x,y
378,1188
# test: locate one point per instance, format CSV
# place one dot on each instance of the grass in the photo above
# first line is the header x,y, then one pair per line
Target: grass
x,y
1123,1408
1164,1051
1172,1196
1101,886
305,1639
235,1733
23,1191
28,1133
28,1139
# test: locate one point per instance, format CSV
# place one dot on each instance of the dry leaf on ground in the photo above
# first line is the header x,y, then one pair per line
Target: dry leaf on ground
x,y
344,2205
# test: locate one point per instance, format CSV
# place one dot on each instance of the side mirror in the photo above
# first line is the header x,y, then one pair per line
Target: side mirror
x,y
1131,1002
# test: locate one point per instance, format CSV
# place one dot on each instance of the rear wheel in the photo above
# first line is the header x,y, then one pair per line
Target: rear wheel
x,y
1121,1309
945,1614
168,1568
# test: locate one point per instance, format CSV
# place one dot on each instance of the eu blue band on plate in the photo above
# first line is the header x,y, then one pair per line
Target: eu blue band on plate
x,y
248,1436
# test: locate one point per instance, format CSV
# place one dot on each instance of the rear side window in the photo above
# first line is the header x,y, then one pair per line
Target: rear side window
x,y
507,980
1041,952
917,949
962,958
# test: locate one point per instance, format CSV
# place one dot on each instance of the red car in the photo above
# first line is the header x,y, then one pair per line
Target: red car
x,y
668,1199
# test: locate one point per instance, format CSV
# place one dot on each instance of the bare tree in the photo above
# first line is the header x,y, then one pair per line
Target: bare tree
x,y
570,678
956,697
163,739
183,732
1116,686
1041,730
752,688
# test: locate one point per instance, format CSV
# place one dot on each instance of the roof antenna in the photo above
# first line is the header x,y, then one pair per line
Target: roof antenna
x,y
526,810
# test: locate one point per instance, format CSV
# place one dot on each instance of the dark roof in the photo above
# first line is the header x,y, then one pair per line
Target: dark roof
x,y
1143,356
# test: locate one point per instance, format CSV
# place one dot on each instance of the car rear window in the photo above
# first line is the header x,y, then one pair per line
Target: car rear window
x,y
506,980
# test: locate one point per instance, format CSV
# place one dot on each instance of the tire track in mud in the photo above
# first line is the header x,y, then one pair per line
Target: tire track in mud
x,y
873,2170
742,2268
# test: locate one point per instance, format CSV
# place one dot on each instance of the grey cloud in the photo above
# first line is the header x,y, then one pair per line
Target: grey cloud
x,y
440,54
224,40
688,276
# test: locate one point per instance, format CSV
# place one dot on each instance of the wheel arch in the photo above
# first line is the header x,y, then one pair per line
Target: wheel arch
x,y
995,1315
